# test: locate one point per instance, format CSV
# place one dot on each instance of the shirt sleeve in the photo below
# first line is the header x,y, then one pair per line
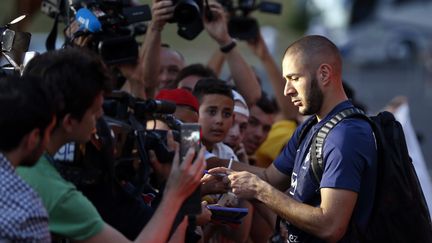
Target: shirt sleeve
x,y
285,161
75,222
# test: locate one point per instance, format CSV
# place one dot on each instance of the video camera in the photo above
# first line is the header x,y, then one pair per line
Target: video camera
x,y
188,15
14,49
111,24
121,142
241,25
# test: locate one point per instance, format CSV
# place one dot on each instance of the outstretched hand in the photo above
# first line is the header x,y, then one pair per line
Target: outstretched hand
x,y
185,177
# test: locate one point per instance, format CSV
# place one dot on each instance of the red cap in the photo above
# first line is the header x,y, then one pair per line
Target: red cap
x,y
179,97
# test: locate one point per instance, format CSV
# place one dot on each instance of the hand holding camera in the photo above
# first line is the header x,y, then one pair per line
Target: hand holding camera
x,y
185,177
217,27
162,12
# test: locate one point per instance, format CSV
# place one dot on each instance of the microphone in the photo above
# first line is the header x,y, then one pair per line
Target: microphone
x,y
88,21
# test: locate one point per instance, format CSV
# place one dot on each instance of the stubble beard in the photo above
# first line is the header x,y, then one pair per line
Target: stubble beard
x,y
314,99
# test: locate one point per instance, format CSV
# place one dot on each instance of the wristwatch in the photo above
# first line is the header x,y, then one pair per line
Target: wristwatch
x,y
229,47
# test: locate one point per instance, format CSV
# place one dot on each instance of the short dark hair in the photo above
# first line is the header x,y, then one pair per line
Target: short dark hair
x,y
209,86
196,69
75,74
314,50
25,105
266,105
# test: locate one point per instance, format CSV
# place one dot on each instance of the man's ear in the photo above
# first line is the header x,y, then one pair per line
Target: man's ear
x,y
68,122
32,139
324,73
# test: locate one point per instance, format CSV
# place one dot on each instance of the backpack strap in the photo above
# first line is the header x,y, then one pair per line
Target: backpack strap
x,y
316,155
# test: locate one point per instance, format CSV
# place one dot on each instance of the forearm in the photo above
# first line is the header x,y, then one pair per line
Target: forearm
x,y
243,76
310,219
216,62
150,59
159,227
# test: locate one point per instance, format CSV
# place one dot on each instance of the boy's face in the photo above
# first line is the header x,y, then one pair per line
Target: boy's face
x,y
215,117
87,126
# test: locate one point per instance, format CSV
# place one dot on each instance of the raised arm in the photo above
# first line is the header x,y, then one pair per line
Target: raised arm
x,y
149,61
243,75
259,48
183,180
216,62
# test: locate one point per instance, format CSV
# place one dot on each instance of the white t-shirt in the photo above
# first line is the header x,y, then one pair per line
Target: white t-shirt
x,y
222,151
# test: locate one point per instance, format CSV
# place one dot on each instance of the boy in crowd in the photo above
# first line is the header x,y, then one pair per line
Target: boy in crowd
x,y
25,128
216,116
216,107
80,78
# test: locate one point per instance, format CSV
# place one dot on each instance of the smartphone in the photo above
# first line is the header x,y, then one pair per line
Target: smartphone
x,y
190,137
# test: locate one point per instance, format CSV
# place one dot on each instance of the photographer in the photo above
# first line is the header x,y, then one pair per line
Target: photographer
x,y
76,73
217,28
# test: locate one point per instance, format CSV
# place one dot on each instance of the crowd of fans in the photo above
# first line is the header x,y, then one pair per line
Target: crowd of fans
x,y
58,102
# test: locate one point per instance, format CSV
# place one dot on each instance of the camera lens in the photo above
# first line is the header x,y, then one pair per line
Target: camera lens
x,y
187,11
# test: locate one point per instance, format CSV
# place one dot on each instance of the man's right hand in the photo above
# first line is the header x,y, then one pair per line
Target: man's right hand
x,y
162,11
185,177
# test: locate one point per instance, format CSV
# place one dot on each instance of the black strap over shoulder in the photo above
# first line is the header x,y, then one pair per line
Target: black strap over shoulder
x,y
319,138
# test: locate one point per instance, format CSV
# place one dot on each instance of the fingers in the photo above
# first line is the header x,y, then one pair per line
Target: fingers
x,y
162,10
220,170
152,157
171,143
199,164
217,11
176,160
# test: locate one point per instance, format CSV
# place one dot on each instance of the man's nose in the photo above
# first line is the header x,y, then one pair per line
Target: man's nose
x,y
288,90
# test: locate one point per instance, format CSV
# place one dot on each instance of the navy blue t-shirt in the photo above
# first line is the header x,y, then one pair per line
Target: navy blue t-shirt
x,y
349,156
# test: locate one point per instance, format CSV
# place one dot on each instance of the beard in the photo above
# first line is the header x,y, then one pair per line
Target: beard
x,y
33,156
314,99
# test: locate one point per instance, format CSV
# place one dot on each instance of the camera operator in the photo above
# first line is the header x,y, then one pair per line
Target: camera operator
x,y
80,78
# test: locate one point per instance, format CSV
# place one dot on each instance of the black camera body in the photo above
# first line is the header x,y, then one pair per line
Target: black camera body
x,y
241,25
113,25
120,142
188,16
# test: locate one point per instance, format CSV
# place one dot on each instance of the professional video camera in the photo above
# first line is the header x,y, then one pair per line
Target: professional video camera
x,y
120,143
241,25
14,47
111,24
